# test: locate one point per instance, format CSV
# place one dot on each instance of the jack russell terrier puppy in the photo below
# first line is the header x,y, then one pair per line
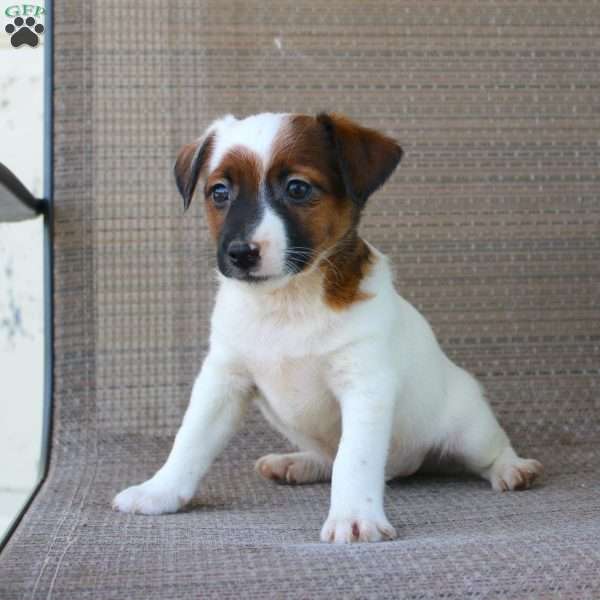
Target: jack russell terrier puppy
x,y
308,324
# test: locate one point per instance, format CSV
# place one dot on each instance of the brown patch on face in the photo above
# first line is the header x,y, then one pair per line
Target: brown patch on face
x,y
303,151
240,169
327,221
307,149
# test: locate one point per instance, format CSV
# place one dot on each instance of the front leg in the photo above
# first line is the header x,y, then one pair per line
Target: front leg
x,y
219,397
367,395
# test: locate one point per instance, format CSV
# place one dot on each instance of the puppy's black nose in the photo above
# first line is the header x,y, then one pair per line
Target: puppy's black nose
x,y
243,255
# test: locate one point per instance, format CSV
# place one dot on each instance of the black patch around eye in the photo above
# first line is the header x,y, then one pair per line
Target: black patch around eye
x,y
242,215
300,245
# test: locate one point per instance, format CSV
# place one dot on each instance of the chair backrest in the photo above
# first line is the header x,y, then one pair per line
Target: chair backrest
x,y
492,221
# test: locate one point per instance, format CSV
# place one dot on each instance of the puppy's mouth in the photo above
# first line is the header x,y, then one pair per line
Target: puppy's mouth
x,y
247,275
252,278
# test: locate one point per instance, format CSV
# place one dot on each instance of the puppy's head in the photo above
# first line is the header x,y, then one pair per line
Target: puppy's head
x,y
281,191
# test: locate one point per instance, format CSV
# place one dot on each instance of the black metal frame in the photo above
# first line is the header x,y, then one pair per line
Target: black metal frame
x,y
46,207
32,205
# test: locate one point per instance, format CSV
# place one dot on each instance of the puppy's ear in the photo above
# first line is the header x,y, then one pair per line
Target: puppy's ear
x,y
191,159
366,158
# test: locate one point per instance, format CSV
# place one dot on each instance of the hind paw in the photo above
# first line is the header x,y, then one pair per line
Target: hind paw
x,y
515,474
297,467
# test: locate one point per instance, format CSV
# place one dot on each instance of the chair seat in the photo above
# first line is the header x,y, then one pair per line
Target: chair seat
x,y
244,537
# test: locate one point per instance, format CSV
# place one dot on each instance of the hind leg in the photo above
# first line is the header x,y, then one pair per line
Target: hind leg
x,y
510,472
296,467
482,445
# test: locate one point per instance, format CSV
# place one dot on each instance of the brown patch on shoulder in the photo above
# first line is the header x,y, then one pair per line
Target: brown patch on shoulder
x,y
241,168
343,273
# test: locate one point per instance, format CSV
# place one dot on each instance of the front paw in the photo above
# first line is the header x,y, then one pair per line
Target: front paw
x,y
359,528
150,498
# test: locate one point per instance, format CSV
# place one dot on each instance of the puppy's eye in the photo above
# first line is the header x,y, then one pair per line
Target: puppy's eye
x,y
298,190
220,195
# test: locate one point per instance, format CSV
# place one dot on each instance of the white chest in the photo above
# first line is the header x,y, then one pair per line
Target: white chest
x,y
295,398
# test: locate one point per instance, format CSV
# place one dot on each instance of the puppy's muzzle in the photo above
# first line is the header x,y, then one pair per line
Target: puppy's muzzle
x,y
243,255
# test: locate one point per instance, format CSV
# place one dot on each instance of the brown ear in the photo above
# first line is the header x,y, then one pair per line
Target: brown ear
x,y
188,166
366,158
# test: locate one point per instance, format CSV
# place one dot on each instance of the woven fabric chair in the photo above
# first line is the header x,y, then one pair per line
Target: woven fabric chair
x,y
492,223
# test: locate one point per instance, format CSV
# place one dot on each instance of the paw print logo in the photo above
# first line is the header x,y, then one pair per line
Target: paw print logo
x,y
24,32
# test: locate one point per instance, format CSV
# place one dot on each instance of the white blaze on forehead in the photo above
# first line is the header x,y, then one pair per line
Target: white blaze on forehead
x,y
271,237
256,133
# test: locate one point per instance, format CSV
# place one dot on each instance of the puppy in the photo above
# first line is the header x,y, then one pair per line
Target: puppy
x,y
307,323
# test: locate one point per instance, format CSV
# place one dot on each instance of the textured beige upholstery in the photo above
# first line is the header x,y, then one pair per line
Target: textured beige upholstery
x,y
493,227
